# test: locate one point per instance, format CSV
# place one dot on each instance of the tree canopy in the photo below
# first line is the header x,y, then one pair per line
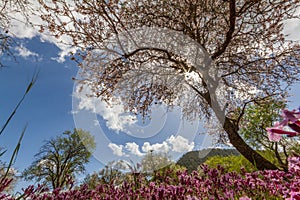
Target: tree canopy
x,y
257,118
208,57
60,158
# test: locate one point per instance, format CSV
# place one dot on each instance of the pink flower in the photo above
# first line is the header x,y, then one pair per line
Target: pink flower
x,y
291,119
294,163
273,136
294,196
292,116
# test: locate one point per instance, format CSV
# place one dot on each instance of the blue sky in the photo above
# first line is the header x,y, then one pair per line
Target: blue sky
x,y
48,108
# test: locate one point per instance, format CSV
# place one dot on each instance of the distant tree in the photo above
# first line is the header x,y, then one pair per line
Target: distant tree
x,y
259,116
113,173
61,158
152,162
242,43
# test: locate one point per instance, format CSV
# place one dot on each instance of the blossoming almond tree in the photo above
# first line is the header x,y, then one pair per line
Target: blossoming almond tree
x,y
228,53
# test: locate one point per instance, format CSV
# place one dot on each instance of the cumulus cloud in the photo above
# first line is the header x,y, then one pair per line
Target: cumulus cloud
x,y
20,29
24,52
292,28
114,114
180,144
157,147
116,149
177,144
133,148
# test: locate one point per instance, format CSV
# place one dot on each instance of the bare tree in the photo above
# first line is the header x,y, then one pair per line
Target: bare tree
x,y
242,54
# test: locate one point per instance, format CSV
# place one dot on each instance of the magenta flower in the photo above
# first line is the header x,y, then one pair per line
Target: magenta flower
x,y
290,119
273,136
294,163
294,196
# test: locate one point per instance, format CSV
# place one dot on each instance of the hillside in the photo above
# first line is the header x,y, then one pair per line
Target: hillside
x,y
191,160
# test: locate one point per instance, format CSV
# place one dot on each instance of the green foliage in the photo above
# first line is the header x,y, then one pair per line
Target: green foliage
x,y
257,117
191,160
230,163
60,158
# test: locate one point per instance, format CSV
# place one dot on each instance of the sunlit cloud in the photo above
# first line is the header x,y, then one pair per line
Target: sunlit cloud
x,y
177,144
157,147
133,148
116,149
180,144
114,114
292,28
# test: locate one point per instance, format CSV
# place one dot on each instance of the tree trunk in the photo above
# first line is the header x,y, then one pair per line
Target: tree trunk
x,y
235,139
231,128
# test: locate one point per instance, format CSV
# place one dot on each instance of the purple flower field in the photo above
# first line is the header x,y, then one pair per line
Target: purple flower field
x,y
205,184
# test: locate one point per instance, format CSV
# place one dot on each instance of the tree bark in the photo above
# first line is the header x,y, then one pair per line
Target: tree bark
x,y
232,129
251,155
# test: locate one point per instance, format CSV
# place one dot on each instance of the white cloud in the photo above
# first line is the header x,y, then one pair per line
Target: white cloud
x,y
20,29
177,144
292,28
180,144
114,114
157,147
133,148
117,149
24,52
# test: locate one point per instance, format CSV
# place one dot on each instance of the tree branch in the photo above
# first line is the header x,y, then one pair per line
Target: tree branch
x,y
232,17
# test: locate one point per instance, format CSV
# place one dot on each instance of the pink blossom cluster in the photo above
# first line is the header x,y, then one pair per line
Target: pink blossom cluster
x,y
290,125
